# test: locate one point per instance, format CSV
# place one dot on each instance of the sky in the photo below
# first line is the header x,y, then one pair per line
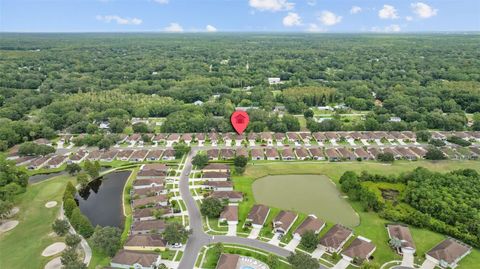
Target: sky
x,y
179,16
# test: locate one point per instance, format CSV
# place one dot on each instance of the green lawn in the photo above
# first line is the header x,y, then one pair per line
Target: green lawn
x,y
371,225
22,246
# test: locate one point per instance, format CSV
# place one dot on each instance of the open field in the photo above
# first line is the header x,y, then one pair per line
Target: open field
x,y
22,246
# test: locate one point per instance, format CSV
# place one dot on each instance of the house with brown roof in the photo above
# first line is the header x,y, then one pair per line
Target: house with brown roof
x,y
200,138
448,253
145,242
145,192
395,153
317,154
402,234
39,162
216,167
159,138
148,183
229,214
134,138
272,154
151,201
293,137
346,154
135,259
227,154
361,249
154,155
305,137
227,261
228,138
333,155
138,155
257,154
148,213
187,138
95,155
216,176
332,137
279,137
218,185
109,155
56,161
152,170
239,138
319,137
311,223
335,238
284,221
212,154
362,154
168,155
266,137
213,137
78,156
231,196
374,152
173,138
252,137
147,227
241,152
302,153
258,215
406,153
287,154
123,155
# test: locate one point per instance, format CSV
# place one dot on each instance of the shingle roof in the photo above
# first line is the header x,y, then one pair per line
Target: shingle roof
x,y
449,250
133,257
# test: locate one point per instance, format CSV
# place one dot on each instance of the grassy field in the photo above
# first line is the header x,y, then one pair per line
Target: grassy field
x,y
371,225
22,246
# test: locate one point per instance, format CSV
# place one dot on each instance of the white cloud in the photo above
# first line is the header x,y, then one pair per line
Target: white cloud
x,y
162,2
388,12
271,5
211,28
314,28
355,10
423,10
329,18
394,28
409,18
119,20
292,19
173,28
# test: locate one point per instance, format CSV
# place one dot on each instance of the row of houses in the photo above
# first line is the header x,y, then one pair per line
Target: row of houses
x,y
126,155
150,204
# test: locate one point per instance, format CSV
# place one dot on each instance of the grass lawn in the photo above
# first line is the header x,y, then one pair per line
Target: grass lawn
x,y
22,246
371,225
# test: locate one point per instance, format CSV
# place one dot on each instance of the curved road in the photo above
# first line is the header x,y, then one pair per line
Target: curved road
x,y
199,238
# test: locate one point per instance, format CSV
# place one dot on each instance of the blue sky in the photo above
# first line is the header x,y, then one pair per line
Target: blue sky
x,y
239,15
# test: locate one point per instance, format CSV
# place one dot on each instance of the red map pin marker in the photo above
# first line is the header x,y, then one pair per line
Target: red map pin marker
x,y
239,121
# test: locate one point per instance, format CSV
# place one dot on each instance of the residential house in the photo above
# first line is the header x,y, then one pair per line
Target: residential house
x,y
302,153
127,259
242,152
151,201
274,81
228,138
317,154
109,155
145,242
56,161
266,137
293,137
227,154
272,154
287,154
148,213
362,154
320,137
218,185
200,137
306,137
229,214
448,253
332,137
374,152
395,153
168,155
42,141
216,176
333,155
213,154
360,249
134,138
335,238
95,155
213,137
419,151
38,162
257,154
78,156
231,196
239,138
406,153
228,261
123,155
279,137
311,223
402,233
216,167
173,138
154,155
152,170
258,215
346,154
187,138
148,183
284,221
146,192
252,137
138,155
159,138
147,227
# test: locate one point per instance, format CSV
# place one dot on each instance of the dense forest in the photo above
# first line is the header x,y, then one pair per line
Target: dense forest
x,y
66,82
448,203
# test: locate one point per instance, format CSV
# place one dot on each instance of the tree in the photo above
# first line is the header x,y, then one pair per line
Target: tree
x,y
211,207
200,160
240,161
73,168
33,149
308,113
72,240
180,150
300,260
117,125
423,135
369,265
60,227
140,127
69,205
175,233
434,153
273,261
70,259
82,179
5,209
107,239
105,143
386,157
81,223
217,250
309,240
92,169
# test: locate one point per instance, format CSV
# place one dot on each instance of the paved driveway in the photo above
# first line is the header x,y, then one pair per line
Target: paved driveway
x,y
318,252
254,232
427,264
232,230
341,264
407,260
292,245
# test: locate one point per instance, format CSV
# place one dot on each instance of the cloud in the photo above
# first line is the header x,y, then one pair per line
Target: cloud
x,y
162,2
409,18
394,28
271,5
329,18
314,28
355,10
210,28
388,12
423,10
292,19
173,28
312,2
119,20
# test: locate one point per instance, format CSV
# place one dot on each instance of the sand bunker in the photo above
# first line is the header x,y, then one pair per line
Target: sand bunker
x,y
54,264
51,204
53,249
8,225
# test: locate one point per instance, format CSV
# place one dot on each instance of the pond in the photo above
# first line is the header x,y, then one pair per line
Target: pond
x,y
101,200
41,177
310,194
